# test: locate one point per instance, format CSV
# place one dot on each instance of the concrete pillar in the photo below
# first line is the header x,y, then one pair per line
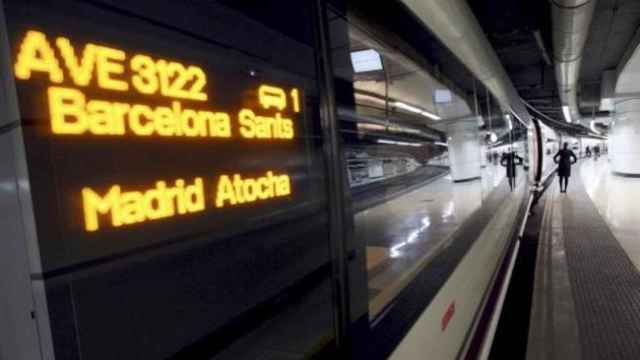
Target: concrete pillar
x,y
464,149
624,138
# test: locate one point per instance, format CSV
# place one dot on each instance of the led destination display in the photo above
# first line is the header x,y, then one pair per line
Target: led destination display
x,y
134,146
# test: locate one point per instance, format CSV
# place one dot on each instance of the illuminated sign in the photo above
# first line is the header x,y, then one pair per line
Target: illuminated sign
x,y
135,206
73,114
162,201
124,141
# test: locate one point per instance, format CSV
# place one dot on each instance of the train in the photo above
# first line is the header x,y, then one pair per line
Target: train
x,y
198,180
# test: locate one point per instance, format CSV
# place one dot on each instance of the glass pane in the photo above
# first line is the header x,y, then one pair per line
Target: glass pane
x,y
177,175
402,130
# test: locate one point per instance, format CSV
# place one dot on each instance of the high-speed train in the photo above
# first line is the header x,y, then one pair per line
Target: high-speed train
x,y
229,180
461,305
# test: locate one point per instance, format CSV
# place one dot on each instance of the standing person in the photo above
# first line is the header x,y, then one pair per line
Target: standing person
x,y
596,151
587,152
510,160
565,158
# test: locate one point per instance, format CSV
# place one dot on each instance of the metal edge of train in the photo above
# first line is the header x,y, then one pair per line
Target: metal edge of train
x,y
540,178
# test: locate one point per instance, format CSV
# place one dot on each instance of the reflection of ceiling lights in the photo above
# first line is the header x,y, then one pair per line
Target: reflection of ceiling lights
x,y
441,144
493,137
593,127
366,126
413,236
390,128
370,98
442,96
407,107
566,113
366,60
448,211
430,115
415,109
400,143
509,121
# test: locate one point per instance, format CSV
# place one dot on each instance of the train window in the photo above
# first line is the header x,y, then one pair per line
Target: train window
x,y
398,123
175,162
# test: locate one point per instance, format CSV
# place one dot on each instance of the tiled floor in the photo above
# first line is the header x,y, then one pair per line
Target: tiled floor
x,y
618,201
586,296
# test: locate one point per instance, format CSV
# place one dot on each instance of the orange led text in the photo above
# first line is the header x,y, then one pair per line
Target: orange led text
x,y
235,190
72,113
118,207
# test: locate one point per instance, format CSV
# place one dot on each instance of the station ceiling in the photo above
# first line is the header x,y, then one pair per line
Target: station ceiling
x,y
520,32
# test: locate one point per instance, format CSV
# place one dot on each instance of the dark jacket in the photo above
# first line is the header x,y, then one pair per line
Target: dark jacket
x,y
565,158
510,160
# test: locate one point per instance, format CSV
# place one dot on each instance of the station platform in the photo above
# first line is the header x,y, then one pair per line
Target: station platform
x,y
403,232
586,295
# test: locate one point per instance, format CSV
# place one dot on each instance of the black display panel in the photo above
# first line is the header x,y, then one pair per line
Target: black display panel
x,y
176,279
138,136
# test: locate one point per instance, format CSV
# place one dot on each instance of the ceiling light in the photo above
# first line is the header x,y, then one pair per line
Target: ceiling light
x,y
430,115
400,143
369,98
367,126
566,113
507,116
407,107
442,96
416,110
366,60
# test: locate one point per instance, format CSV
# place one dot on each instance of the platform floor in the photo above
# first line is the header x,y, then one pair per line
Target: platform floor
x,y
586,302
617,199
403,233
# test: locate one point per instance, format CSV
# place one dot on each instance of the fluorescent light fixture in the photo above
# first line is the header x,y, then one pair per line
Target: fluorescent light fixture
x,y
383,141
493,137
367,126
430,115
593,127
442,96
407,107
566,113
441,144
366,60
370,98
607,104
416,110
509,121
400,143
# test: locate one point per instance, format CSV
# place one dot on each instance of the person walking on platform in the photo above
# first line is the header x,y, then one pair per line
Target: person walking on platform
x,y
510,160
587,152
565,158
596,152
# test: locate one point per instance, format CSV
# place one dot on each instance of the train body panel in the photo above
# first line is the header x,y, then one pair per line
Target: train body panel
x,y
252,217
